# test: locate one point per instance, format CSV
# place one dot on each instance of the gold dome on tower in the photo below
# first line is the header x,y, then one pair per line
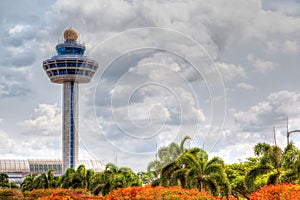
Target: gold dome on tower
x,y
70,34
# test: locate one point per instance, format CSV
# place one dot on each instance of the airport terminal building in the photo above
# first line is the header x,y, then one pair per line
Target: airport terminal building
x,y
17,169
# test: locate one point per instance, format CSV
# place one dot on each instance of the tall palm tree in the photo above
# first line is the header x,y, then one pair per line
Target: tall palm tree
x,y
89,174
112,178
52,180
147,177
193,169
100,183
167,155
271,159
291,163
79,178
3,178
28,183
65,180
41,182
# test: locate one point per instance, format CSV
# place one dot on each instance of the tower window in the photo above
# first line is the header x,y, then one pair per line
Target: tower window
x,y
61,64
62,71
70,50
71,71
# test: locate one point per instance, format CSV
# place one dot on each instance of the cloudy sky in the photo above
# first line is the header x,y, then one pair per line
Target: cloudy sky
x,y
223,72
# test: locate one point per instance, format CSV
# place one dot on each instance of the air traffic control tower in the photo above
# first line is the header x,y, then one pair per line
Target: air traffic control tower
x,y
70,67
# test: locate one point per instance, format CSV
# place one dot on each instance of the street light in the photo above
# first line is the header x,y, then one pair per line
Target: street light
x,y
288,133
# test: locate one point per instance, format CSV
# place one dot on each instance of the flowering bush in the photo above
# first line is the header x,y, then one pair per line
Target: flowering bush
x,y
149,193
277,192
59,193
137,193
13,194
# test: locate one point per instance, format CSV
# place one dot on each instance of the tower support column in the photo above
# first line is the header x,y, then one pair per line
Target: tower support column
x,y
70,125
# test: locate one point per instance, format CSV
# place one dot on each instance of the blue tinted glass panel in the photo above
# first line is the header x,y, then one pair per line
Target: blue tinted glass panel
x,y
61,51
61,64
52,66
71,71
62,71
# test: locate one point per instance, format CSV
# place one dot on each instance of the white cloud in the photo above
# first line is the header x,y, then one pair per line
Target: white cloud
x,y
272,111
289,7
290,47
5,141
12,82
19,29
46,119
245,86
272,46
231,71
262,66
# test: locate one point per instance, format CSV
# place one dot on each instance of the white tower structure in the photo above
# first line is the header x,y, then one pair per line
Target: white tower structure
x,y
70,67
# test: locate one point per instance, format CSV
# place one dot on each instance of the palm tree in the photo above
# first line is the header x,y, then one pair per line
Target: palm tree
x,y
271,158
147,177
193,169
28,183
291,163
79,179
52,180
41,182
100,183
167,155
3,178
112,178
89,174
65,180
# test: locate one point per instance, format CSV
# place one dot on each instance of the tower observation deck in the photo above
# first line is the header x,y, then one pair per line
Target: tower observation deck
x,y
70,67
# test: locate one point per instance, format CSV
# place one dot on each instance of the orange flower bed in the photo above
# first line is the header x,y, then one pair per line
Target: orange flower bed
x,y
149,193
135,193
13,194
60,194
277,192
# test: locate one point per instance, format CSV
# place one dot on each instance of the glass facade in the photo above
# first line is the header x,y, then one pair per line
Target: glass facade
x,y
77,68
70,50
43,165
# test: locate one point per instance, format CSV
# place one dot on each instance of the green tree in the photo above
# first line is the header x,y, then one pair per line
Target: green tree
x,y
167,155
53,181
66,180
3,178
291,164
4,182
193,169
270,165
81,177
112,178
147,177
40,182
28,183
236,175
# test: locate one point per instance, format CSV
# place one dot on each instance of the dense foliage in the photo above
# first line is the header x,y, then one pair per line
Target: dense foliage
x,y
4,183
177,167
